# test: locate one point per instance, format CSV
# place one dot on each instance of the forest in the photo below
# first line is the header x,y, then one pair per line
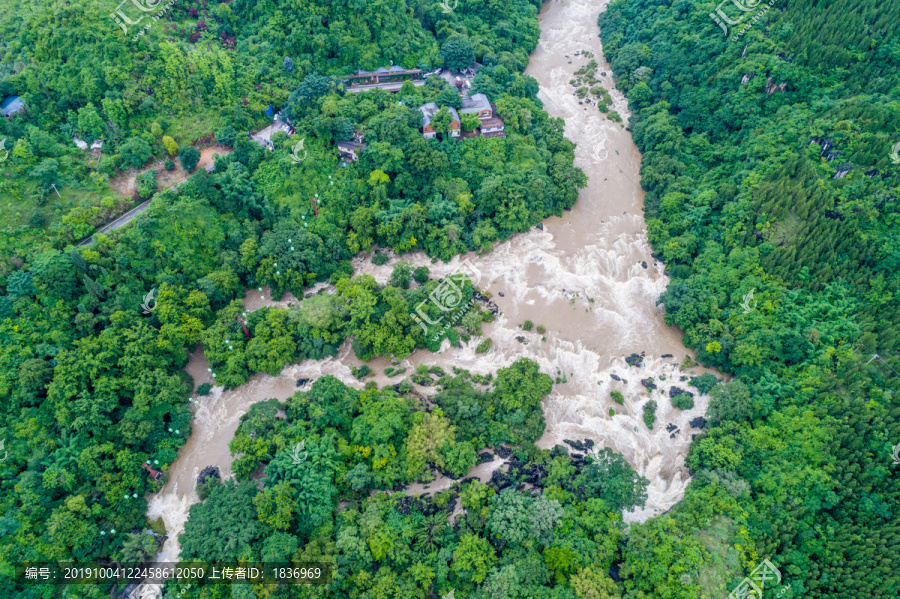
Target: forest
x,y
95,386
766,166
766,162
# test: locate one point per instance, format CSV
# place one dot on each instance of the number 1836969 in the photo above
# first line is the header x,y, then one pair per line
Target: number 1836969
x,y
299,574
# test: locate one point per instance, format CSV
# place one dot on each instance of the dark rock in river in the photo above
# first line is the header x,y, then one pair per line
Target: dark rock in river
x,y
209,472
649,384
540,226
667,356
615,377
488,304
500,479
500,293
485,456
577,445
635,360
503,452
676,391
301,382
644,264
698,422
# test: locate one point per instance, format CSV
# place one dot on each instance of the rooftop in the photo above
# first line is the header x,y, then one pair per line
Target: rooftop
x,y
350,145
394,70
475,103
12,105
429,110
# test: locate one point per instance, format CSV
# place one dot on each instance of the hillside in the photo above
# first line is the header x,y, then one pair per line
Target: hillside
x,y
767,165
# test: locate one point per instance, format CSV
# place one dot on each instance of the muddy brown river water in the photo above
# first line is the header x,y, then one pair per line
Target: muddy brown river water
x,y
581,277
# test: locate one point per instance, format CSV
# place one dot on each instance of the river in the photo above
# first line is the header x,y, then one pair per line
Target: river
x,y
581,277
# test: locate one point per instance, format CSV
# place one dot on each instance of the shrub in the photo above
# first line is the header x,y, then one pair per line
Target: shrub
x,y
401,275
617,397
170,145
189,157
226,136
541,330
203,389
484,346
378,259
361,372
705,382
527,325
146,184
134,151
688,362
421,274
38,220
650,413
683,402
169,165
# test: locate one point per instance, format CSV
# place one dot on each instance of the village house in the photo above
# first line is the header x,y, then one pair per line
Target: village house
x,y
492,127
428,112
383,75
11,106
477,105
350,150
